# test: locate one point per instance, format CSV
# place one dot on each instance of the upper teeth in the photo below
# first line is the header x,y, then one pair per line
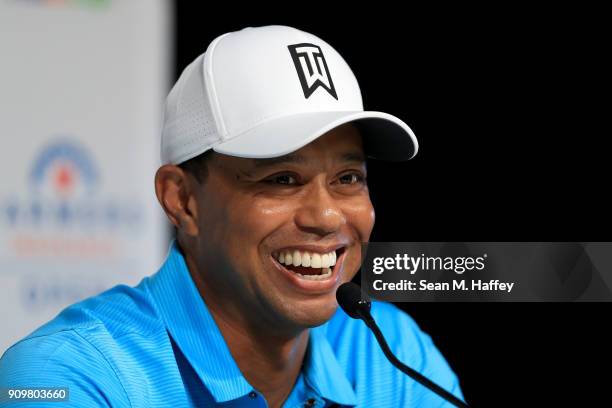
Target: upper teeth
x,y
306,259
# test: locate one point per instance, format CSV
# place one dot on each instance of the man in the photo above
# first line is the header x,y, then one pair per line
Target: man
x,y
264,177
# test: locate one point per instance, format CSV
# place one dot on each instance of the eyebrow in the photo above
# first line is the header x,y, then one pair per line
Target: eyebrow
x,y
296,158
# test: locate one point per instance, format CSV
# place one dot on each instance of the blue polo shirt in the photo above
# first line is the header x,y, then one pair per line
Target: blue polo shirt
x,y
157,345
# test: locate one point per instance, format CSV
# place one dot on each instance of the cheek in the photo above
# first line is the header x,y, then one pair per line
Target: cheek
x,y
261,216
253,222
257,218
361,216
233,233
232,214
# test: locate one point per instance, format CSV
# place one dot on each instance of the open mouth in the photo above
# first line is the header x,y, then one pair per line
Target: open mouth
x,y
309,265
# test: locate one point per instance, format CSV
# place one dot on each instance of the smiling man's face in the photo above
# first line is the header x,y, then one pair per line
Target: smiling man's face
x,y
256,216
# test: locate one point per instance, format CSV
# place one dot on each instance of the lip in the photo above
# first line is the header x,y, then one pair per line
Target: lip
x,y
312,248
311,286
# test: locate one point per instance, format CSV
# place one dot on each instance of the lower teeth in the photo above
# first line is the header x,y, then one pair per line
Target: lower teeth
x,y
326,274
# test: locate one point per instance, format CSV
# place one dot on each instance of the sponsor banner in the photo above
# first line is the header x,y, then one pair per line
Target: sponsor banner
x,y
82,87
487,271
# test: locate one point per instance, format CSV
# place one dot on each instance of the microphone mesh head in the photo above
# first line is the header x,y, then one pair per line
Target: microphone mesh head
x,y
349,298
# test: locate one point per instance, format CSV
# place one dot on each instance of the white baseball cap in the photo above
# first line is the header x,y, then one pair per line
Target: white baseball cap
x,y
267,91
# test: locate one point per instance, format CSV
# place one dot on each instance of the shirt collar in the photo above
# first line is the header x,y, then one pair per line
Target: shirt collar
x,y
194,330
323,372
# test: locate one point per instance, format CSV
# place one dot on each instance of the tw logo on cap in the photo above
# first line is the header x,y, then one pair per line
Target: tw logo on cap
x,y
312,69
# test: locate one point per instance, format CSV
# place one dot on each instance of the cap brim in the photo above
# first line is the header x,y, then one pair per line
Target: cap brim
x,y
385,137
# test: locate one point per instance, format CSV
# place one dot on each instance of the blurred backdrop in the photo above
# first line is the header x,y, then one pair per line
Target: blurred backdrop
x,y
81,88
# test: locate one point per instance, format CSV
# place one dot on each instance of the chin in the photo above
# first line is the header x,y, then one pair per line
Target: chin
x,y
315,313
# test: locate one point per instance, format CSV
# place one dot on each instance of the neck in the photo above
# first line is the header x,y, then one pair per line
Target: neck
x,y
269,360
271,364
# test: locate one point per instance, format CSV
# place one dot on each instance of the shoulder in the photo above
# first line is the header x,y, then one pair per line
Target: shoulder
x,y
115,312
62,359
83,346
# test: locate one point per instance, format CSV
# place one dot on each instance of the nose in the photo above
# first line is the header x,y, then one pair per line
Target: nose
x,y
320,212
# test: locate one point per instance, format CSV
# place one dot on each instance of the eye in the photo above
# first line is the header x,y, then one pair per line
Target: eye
x,y
284,179
351,178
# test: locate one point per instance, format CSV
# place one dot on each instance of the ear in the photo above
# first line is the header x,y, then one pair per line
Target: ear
x,y
175,194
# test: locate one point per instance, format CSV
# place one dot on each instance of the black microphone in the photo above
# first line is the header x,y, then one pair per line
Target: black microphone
x,y
351,299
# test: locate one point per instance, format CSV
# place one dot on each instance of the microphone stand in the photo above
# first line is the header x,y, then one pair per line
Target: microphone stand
x,y
350,298
415,375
